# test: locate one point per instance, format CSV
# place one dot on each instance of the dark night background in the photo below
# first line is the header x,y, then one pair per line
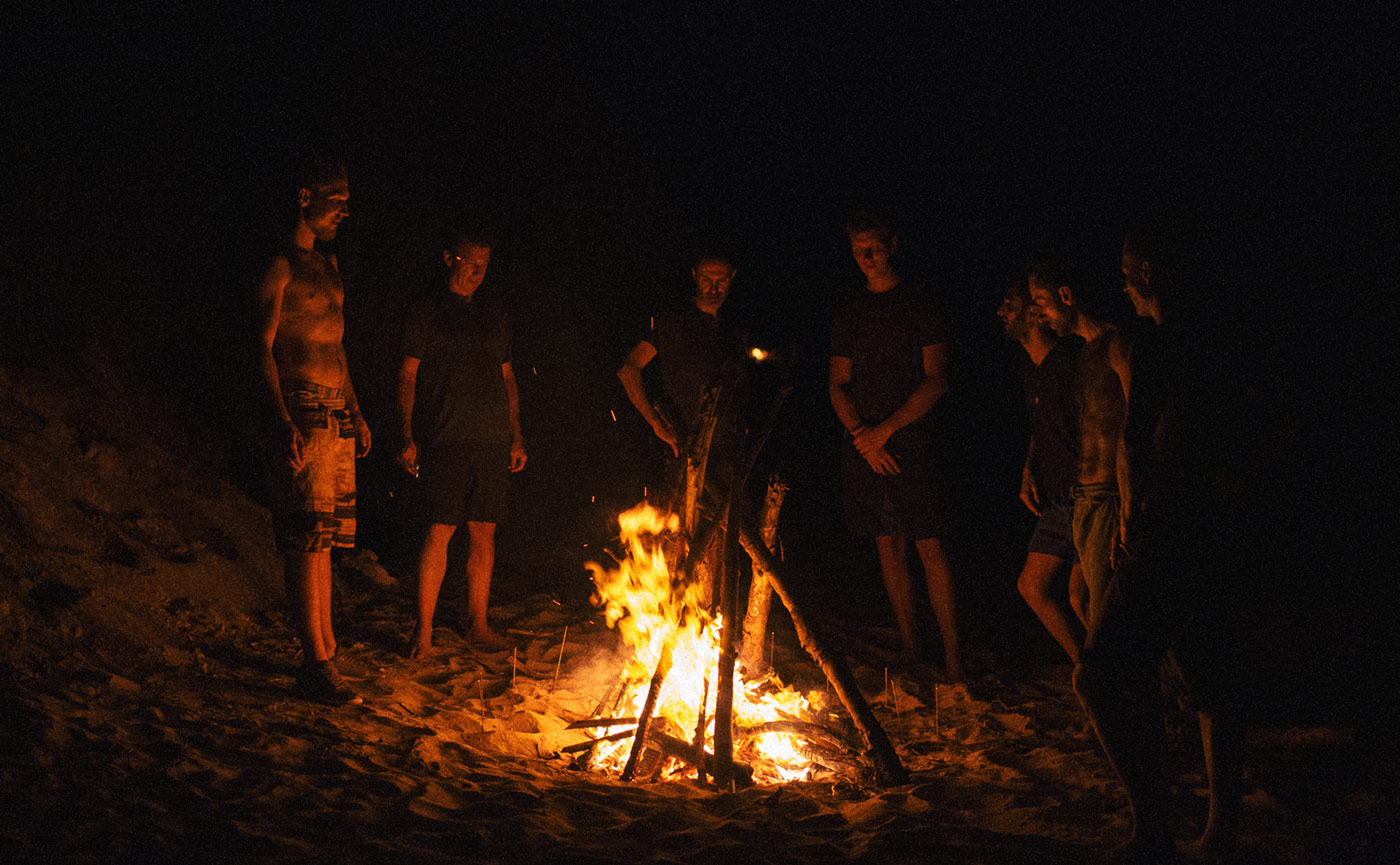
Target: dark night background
x,y
146,177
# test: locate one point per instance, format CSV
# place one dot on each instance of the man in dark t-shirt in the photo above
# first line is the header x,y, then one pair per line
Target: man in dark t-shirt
x,y
888,369
1052,460
459,410
692,346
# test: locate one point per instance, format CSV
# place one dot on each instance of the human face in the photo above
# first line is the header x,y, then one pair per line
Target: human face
x,y
1015,315
871,250
712,280
325,208
1050,307
1135,283
466,267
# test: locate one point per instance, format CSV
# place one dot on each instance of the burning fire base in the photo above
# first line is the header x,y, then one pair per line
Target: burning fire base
x,y
659,720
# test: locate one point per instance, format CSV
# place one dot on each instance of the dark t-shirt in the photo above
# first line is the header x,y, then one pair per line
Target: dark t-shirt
x,y
1054,417
691,350
884,335
460,392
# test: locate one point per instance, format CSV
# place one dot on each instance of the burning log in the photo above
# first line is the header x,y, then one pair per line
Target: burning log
x,y
590,723
584,746
814,733
644,719
888,767
760,588
682,750
699,744
724,677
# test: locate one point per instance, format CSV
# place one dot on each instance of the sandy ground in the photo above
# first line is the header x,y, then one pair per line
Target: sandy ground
x,y
147,712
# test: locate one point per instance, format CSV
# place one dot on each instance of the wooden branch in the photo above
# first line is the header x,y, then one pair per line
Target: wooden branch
x,y
760,588
811,732
584,746
589,723
644,719
889,770
681,750
699,743
724,675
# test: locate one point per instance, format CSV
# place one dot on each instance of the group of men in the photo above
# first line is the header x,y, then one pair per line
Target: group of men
x,y
1108,473
459,423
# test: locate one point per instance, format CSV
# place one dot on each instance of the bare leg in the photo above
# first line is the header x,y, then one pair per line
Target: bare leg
x,y
481,559
1222,737
940,594
1034,585
1125,707
895,571
432,567
322,582
1079,594
299,571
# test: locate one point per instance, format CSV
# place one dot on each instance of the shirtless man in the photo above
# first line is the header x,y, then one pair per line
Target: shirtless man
x,y
1048,374
889,360
319,429
1102,380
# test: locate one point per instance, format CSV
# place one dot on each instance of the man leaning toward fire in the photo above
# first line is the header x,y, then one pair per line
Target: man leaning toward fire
x,y
319,429
888,369
693,344
1101,383
1177,585
459,410
1047,376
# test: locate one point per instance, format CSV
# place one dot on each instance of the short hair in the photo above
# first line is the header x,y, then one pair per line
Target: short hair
x,y
1159,240
320,171
471,235
1048,271
711,253
864,220
1016,286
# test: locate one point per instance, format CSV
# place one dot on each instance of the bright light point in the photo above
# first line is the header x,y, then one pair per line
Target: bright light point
x,y
614,415
758,354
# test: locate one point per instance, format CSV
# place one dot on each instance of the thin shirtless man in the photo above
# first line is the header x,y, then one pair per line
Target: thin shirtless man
x,y
1101,388
318,427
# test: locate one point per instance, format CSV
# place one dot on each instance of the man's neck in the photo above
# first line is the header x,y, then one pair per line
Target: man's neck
x,y
1090,328
303,237
881,282
1037,344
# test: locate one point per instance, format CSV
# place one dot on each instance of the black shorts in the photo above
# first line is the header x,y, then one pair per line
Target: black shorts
x,y
464,482
1054,535
909,503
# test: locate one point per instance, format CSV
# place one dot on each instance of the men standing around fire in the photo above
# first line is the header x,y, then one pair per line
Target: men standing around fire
x,y
1051,467
1176,586
888,370
1102,380
319,429
459,411
693,345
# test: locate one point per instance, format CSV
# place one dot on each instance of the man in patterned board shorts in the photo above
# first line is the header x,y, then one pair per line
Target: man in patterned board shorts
x,y
318,427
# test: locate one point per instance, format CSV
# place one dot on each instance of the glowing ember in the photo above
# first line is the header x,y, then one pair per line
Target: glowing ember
x,y
651,610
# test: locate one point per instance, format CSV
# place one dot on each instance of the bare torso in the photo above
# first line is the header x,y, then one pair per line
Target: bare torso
x,y
311,322
1102,410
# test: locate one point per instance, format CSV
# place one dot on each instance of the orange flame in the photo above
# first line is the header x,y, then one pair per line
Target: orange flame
x,y
651,609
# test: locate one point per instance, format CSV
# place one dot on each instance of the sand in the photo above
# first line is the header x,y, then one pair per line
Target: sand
x,y
148,712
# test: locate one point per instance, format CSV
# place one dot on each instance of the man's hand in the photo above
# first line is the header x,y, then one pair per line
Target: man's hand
x,y
408,458
517,455
882,462
1029,494
1119,554
293,445
665,433
362,437
869,439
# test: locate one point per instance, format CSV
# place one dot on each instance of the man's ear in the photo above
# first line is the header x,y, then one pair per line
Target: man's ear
x,y
1066,296
447,257
894,242
1145,269
303,197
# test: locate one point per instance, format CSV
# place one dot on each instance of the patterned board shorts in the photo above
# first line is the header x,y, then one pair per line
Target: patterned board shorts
x,y
314,509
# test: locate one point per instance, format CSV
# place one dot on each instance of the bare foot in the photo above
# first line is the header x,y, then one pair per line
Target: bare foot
x,y
484,636
419,644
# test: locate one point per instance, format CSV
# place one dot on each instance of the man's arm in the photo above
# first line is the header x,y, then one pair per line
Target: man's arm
x,y
1030,495
918,404
270,290
352,405
630,373
838,378
517,441
1128,465
408,382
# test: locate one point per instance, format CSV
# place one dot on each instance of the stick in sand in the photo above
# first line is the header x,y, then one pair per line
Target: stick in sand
x,y
481,695
559,662
512,666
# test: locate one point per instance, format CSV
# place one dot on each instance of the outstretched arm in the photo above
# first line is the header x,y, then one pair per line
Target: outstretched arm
x,y
630,373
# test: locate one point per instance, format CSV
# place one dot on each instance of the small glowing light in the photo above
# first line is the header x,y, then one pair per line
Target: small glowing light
x,y
614,415
653,322
758,354
535,371
592,499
